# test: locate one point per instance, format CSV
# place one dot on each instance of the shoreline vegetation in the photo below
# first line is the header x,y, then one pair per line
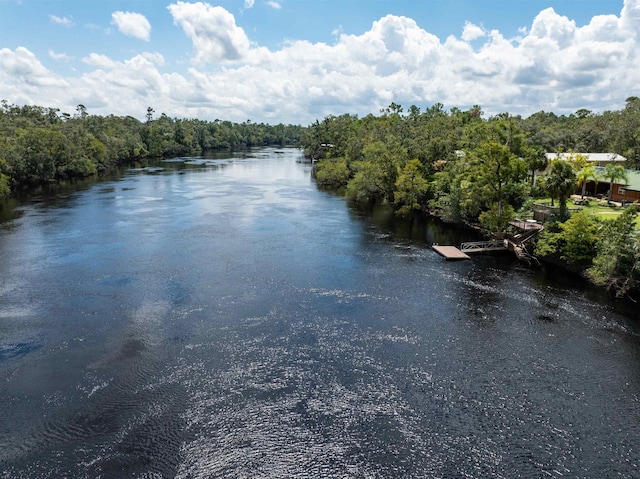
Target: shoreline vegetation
x,y
41,146
484,173
452,164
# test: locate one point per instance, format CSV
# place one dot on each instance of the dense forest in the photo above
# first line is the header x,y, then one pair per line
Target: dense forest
x,y
41,145
485,172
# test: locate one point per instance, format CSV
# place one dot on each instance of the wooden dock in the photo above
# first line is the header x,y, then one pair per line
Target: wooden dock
x,y
450,252
516,244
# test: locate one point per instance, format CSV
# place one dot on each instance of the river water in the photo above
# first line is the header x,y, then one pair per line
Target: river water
x,y
225,318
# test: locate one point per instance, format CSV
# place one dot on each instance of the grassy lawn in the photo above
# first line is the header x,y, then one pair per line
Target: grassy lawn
x,y
595,207
606,212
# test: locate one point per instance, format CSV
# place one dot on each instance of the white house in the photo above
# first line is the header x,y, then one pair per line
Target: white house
x,y
599,159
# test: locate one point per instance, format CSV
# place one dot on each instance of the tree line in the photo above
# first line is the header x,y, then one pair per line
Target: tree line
x,y
40,145
467,169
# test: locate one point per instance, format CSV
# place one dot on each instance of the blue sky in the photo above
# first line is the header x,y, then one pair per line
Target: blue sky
x,y
298,60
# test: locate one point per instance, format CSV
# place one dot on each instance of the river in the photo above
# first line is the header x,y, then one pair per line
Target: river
x,y
222,317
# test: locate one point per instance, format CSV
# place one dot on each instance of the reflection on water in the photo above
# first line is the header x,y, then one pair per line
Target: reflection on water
x,y
221,317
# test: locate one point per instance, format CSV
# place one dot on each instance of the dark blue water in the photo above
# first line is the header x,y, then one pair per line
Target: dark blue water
x,y
224,318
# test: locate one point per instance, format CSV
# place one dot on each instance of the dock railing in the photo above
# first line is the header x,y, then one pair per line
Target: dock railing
x,y
483,246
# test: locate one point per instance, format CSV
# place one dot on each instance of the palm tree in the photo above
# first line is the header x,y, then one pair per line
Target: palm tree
x,y
584,175
560,183
536,160
614,173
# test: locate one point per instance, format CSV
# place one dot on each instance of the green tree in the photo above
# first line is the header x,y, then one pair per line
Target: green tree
x,y
580,237
496,219
497,172
625,131
44,154
367,184
5,188
411,188
577,161
149,115
81,112
584,175
535,159
454,193
574,241
560,183
614,173
377,172
617,263
332,172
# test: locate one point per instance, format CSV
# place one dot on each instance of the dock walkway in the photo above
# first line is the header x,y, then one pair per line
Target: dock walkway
x,y
528,229
450,252
483,246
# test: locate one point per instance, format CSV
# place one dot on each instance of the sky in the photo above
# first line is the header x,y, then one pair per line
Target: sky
x,y
297,61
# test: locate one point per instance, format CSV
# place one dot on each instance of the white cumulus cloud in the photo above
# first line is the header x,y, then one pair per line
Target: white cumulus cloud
x,y
213,31
472,32
66,21
553,65
132,24
59,56
100,61
25,80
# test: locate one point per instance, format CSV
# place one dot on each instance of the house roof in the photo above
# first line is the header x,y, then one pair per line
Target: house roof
x,y
591,157
632,183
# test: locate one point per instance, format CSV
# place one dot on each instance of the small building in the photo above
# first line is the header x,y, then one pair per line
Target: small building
x,y
626,191
623,191
597,159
